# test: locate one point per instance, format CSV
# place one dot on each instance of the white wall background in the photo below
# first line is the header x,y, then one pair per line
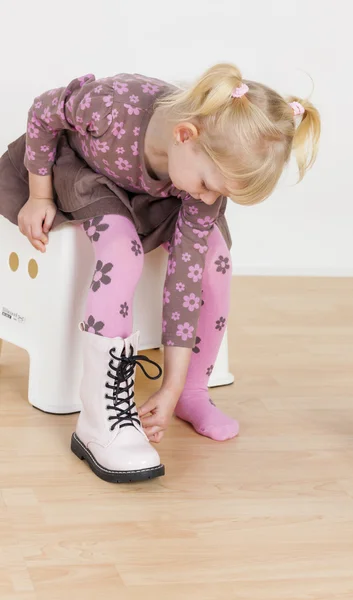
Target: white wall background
x,y
304,229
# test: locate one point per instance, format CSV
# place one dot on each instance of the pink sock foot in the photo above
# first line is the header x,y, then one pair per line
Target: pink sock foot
x,y
205,417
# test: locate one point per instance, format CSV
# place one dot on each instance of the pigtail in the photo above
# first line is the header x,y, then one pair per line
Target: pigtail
x,y
306,136
209,95
213,92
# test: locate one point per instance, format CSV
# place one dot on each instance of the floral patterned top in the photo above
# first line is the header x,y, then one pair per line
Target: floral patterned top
x,y
110,117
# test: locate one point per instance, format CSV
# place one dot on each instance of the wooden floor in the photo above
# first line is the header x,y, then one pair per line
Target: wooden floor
x,y
267,516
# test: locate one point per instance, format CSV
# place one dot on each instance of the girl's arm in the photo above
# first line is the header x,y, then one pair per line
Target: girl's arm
x,y
183,284
37,215
176,364
182,303
157,412
81,106
40,187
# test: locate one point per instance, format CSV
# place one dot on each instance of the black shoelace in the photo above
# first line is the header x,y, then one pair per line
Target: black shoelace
x,y
126,414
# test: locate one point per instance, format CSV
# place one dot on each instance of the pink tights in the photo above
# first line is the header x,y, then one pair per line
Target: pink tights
x,y
119,263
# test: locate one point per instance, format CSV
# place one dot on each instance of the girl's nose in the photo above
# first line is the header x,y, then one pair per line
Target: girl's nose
x,y
209,197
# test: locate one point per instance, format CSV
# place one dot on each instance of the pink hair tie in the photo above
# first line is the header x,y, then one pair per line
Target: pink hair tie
x,y
240,91
298,108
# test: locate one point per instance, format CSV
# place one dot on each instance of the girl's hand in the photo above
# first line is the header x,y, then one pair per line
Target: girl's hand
x,y
35,220
156,413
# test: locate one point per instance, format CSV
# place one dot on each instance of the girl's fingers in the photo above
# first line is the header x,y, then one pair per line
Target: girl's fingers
x,y
37,231
37,244
150,421
149,431
146,408
49,218
156,438
38,234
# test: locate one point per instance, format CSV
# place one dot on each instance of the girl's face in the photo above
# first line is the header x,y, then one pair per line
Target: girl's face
x,y
191,169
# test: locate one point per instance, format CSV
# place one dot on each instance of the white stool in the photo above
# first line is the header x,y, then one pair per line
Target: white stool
x,y
42,301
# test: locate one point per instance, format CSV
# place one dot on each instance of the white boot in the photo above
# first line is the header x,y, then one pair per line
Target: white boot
x,y
109,435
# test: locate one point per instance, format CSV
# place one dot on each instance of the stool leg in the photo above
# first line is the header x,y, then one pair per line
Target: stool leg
x,y
220,374
54,387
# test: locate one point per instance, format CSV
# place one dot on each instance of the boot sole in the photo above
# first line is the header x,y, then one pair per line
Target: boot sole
x,y
80,450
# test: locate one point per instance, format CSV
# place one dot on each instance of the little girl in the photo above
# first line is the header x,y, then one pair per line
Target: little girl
x,y
139,164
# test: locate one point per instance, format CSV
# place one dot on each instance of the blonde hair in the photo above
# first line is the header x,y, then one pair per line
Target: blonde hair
x,y
250,139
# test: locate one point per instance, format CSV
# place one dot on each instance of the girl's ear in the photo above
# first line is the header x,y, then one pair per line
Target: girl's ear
x,y
185,132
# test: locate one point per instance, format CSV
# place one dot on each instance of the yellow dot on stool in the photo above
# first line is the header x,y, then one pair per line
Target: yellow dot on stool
x,y
14,261
33,268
